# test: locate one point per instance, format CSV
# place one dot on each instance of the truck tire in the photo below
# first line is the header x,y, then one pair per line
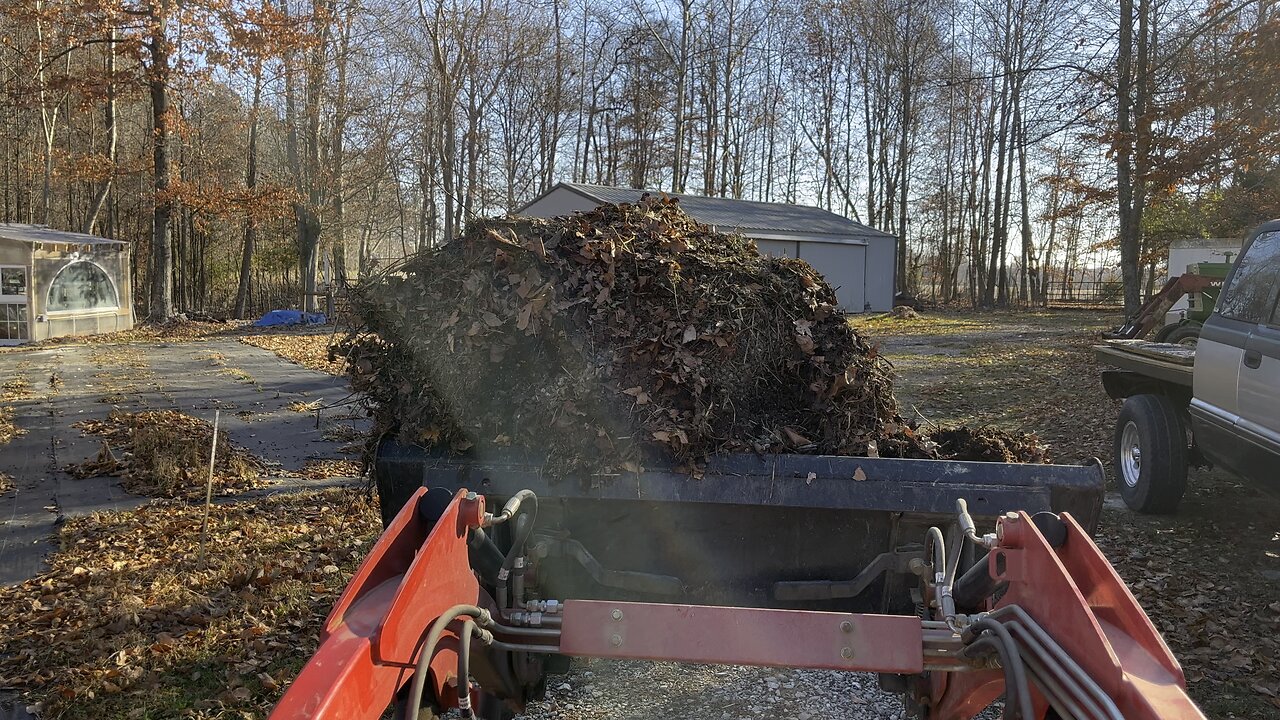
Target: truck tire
x,y
1185,334
1151,454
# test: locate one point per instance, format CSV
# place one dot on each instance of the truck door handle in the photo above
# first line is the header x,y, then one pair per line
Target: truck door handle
x,y
1252,358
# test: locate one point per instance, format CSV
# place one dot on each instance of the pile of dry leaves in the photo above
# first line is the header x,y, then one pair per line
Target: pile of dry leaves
x,y
13,390
321,469
606,337
131,620
8,430
176,330
165,453
308,348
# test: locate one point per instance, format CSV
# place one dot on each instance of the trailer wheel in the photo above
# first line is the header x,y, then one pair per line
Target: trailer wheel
x,y
1151,454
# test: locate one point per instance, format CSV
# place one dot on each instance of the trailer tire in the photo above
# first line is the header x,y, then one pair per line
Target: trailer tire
x,y
1151,454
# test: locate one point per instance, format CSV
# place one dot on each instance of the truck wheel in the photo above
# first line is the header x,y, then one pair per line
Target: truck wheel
x,y
1151,454
1188,334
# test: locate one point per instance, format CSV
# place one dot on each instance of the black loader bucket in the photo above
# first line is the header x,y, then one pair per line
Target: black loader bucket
x,y
785,531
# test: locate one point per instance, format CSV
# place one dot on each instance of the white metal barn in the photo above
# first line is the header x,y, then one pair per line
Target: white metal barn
x,y
857,260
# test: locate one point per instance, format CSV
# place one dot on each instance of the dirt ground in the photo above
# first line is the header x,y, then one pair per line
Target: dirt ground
x,y
1208,576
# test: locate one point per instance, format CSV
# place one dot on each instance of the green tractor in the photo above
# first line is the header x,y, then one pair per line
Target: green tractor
x,y
1201,283
1199,304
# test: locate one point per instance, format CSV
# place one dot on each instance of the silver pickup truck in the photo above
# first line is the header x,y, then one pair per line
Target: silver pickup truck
x,y
1215,404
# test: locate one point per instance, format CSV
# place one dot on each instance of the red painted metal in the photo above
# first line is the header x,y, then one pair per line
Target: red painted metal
x,y
742,636
415,573
1080,601
372,636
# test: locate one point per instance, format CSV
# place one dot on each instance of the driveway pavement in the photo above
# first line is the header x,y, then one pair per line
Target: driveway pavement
x,y
252,387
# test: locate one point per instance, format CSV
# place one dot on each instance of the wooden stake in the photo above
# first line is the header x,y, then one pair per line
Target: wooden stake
x,y
208,485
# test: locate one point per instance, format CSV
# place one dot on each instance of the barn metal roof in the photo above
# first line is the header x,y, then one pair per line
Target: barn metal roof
x,y
751,218
32,234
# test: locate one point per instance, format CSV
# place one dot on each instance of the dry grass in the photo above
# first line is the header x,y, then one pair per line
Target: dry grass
x,y
343,432
18,388
238,374
305,407
216,359
130,622
6,482
166,454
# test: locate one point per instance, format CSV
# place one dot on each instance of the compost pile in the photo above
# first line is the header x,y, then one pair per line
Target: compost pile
x,y
987,444
611,337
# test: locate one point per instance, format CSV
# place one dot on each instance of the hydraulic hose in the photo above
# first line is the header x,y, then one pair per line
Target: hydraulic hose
x,y
524,527
944,577
414,700
525,503
485,557
464,668
1017,691
937,547
512,506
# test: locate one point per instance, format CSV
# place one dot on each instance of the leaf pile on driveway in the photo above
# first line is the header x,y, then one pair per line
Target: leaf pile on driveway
x,y
309,349
326,469
165,453
130,621
8,430
13,390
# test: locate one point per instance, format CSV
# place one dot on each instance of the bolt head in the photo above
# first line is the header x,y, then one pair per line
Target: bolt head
x,y
846,626
617,614
846,653
616,641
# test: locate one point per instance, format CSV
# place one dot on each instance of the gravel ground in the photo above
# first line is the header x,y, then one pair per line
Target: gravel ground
x,y
626,690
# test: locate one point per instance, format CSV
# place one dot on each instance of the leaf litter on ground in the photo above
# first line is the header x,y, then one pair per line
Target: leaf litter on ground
x,y
130,621
165,453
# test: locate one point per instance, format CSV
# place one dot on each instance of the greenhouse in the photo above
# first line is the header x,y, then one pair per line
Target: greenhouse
x,y
55,283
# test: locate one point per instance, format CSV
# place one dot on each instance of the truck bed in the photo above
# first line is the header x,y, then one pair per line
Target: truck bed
x,y
1162,361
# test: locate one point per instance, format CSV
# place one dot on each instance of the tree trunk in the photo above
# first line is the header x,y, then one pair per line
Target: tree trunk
x,y
1129,236
161,303
251,183
1027,282
109,120
903,156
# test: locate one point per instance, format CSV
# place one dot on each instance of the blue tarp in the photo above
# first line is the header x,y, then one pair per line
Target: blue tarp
x,y
290,317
